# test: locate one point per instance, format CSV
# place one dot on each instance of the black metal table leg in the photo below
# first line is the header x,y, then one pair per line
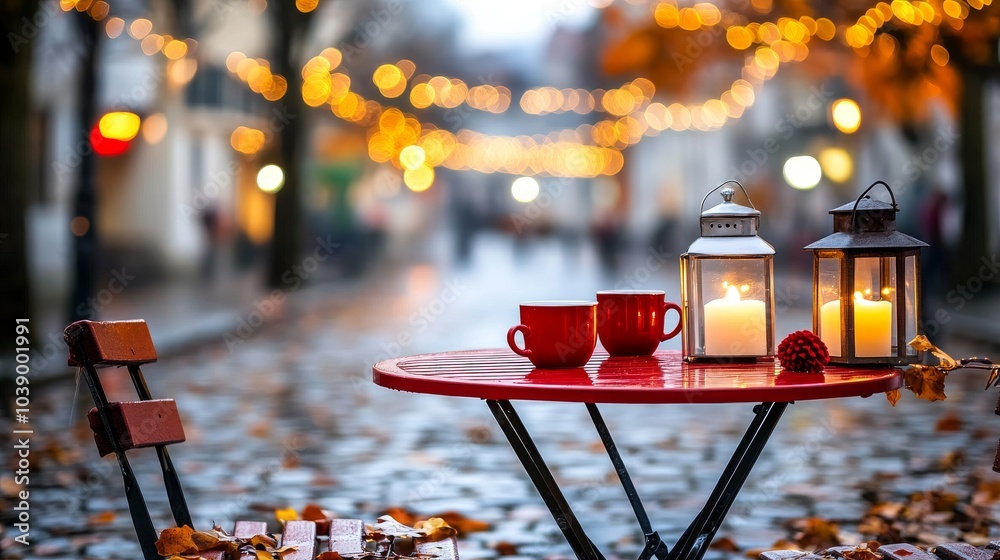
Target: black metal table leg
x,y
654,546
543,480
694,542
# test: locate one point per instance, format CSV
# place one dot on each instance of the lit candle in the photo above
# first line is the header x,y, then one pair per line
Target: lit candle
x,y
735,327
872,327
829,326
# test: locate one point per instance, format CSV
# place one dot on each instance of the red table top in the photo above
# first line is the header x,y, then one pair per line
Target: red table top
x,y
661,378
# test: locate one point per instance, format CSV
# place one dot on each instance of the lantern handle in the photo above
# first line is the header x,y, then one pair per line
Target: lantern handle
x,y
854,211
722,185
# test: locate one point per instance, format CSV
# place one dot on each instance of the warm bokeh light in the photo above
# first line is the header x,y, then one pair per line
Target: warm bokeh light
x,y
79,226
270,178
802,172
119,125
412,157
419,179
306,6
140,28
104,146
114,27
247,140
846,115
524,189
154,128
837,164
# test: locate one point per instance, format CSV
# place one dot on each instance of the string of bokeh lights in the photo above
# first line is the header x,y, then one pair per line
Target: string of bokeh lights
x,y
589,150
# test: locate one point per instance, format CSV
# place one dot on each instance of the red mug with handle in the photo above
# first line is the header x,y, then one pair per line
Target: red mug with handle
x,y
557,334
632,322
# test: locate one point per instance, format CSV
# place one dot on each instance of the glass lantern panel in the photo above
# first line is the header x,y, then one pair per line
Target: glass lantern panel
x,y
874,302
828,302
732,303
910,286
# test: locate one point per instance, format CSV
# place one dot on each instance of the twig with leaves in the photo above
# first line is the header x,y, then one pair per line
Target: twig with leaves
x,y
927,381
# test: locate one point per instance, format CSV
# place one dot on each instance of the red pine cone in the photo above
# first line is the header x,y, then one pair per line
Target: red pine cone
x,y
803,351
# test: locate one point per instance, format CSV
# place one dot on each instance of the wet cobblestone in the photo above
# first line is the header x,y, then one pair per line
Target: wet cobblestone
x,y
290,417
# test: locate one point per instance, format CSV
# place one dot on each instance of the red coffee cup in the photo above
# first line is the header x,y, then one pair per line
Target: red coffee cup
x,y
557,334
631,322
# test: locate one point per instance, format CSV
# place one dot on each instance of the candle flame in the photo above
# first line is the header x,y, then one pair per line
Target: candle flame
x,y
732,294
858,295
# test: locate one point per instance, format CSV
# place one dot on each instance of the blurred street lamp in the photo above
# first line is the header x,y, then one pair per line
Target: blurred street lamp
x,y
119,125
802,172
420,178
412,157
270,178
846,115
524,189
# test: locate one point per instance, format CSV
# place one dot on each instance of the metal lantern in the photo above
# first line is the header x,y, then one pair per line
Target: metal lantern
x,y
866,285
727,278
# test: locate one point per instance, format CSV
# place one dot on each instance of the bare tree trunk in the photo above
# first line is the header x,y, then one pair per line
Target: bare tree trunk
x,y
85,247
15,159
975,234
288,228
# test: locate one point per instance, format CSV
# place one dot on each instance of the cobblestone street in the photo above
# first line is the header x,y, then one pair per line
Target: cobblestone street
x,y
285,414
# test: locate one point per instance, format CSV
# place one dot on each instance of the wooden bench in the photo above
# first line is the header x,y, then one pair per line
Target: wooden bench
x,y
121,426
950,551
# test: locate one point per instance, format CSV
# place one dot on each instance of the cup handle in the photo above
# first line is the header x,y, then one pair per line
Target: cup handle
x,y
667,306
513,345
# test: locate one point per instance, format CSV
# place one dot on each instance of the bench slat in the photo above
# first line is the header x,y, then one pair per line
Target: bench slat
x,y
962,551
138,424
347,536
301,534
442,550
905,551
247,530
109,343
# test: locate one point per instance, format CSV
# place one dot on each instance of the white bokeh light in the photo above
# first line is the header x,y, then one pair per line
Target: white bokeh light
x,y
802,172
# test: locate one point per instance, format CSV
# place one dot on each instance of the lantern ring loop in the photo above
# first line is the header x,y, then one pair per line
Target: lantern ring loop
x,y
741,188
854,211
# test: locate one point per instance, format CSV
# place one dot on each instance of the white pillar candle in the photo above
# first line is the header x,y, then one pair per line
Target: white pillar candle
x,y
829,326
735,327
872,327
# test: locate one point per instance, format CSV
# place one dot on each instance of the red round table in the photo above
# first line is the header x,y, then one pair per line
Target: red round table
x,y
499,376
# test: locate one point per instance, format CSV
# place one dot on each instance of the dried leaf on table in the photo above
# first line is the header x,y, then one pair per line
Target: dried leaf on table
x,y
893,396
176,540
926,382
922,344
329,556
